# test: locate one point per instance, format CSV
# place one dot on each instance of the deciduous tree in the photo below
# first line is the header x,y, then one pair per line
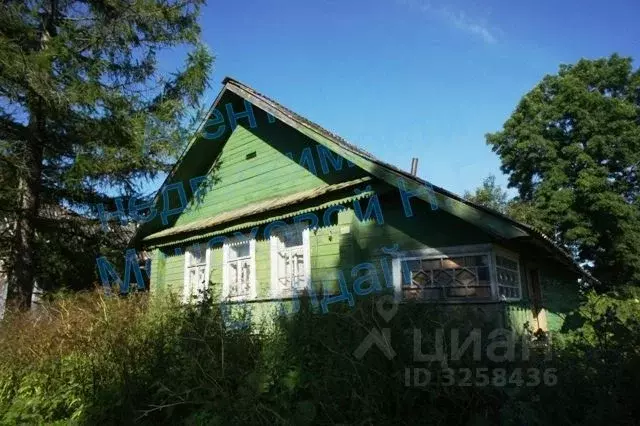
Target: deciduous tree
x,y
572,149
489,194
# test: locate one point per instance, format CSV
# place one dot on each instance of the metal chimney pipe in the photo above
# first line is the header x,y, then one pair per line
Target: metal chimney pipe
x,y
414,166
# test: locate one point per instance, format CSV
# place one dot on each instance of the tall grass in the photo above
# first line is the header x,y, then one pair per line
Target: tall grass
x,y
87,359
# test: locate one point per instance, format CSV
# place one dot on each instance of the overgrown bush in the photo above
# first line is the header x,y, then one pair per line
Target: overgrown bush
x,y
89,359
598,365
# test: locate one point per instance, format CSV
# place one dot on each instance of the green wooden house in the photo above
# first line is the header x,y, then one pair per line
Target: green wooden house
x,y
282,205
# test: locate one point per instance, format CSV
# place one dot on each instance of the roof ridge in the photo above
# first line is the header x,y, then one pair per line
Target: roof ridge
x,y
299,117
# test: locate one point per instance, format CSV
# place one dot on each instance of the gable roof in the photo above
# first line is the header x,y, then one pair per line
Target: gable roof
x,y
491,221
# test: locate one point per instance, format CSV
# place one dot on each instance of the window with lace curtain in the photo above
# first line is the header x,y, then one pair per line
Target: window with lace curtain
x,y
239,270
290,261
196,273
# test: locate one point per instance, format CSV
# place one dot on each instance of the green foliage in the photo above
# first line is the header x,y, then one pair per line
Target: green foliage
x,y
91,360
78,81
572,149
490,194
598,366
611,324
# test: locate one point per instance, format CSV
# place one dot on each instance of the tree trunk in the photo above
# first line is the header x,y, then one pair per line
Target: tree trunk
x,y
24,273
28,206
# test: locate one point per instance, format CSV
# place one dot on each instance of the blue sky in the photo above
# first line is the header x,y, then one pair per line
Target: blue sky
x,y
411,78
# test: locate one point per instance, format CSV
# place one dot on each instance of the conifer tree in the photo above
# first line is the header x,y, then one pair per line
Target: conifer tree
x,y
78,80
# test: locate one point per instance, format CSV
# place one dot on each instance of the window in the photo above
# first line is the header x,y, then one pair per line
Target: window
x,y
290,260
239,273
196,271
478,272
508,277
446,278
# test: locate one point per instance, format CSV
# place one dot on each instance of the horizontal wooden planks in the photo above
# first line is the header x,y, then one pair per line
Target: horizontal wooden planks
x,y
270,174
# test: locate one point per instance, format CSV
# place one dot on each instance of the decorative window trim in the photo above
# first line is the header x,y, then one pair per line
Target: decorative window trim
x,y
187,293
253,290
274,242
488,250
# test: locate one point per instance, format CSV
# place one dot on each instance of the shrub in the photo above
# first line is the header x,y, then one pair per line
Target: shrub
x,y
89,359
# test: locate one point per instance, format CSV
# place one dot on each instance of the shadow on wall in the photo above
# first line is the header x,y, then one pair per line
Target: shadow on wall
x,y
561,301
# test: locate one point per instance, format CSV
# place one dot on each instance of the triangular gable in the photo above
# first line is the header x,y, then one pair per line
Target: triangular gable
x,y
267,162
195,160
281,174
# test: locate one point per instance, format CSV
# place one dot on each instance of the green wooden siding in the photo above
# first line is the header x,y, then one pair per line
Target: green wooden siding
x,y
365,239
519,316
559,298
348,242
171,271
335,248
344,244
432,228
330,252
239,181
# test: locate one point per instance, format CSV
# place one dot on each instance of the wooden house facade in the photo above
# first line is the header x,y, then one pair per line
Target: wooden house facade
x,y
282,206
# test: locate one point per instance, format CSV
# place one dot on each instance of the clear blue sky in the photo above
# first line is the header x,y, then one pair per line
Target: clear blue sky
x,y
405,78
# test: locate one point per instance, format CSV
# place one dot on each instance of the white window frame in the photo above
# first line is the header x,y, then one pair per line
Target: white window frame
x,y
488,250
226,283
514,257
187,292
274,241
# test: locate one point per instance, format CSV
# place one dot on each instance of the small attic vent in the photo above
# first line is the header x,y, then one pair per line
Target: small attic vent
x,y
251,155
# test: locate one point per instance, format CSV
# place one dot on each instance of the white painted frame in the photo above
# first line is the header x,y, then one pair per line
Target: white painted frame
x,y
273,262
515,257
488,250
253,289
186,295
